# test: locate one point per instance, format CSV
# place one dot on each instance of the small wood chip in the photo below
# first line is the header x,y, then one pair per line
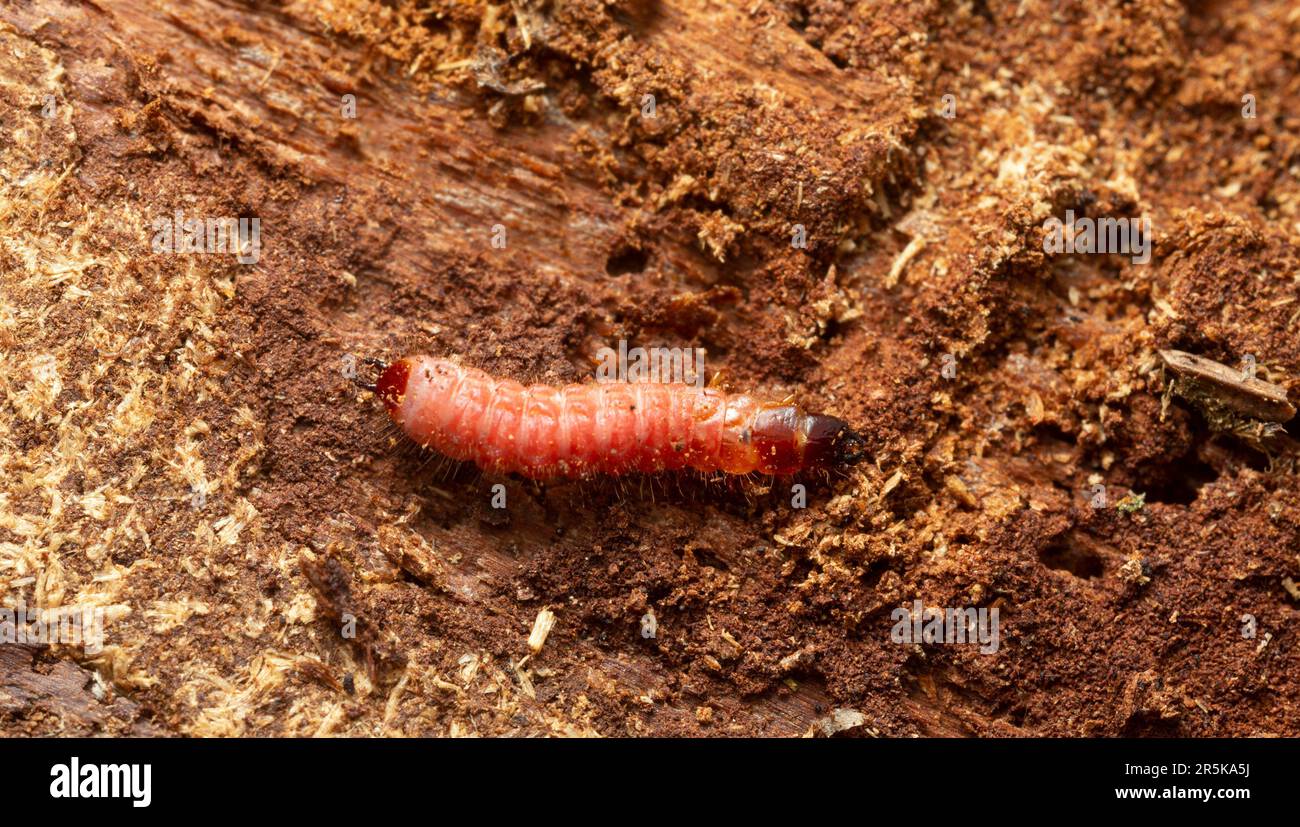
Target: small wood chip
x,y
1233,389
541,628
890,484
1034,408
1291,587
1268,636
840,720
904,258
957,487
649,625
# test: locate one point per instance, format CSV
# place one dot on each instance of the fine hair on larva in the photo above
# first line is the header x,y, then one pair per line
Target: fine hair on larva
x,y
581,430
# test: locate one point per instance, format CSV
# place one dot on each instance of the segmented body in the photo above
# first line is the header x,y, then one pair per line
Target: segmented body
x,y
542,431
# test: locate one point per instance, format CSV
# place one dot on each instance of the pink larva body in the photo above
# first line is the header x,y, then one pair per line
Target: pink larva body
x,y
542,431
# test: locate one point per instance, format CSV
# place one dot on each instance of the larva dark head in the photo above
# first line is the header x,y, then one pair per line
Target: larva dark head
x,y
832,443
391,386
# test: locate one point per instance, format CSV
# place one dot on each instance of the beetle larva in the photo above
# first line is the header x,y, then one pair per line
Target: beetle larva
x,y
542,431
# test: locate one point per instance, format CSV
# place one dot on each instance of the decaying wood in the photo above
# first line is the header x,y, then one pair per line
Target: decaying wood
x,y
40,695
